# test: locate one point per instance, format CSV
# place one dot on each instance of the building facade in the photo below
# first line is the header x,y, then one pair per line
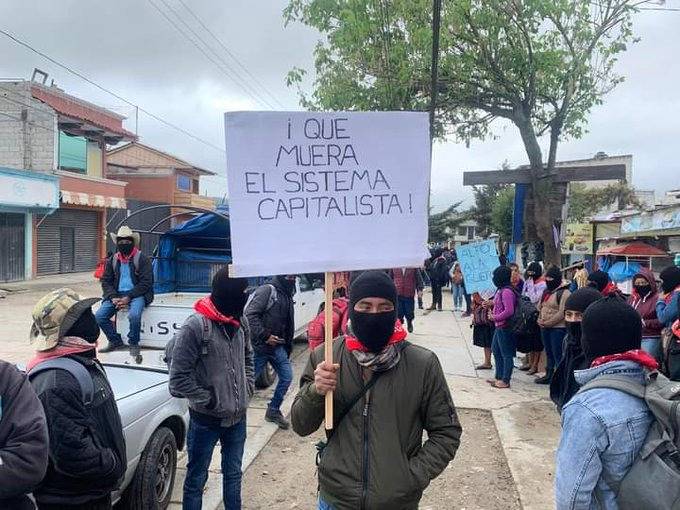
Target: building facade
x,y
49,135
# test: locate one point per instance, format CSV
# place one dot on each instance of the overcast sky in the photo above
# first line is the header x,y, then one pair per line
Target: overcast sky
x,y
130,48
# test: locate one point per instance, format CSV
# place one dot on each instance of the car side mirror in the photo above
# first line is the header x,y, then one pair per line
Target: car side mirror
x,y
317,284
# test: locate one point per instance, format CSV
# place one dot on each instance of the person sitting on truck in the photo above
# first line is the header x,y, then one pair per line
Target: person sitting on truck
x,y
272,324
211,365
23,439
127,283
87,459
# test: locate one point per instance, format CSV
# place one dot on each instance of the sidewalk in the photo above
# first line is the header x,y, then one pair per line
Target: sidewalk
x,y
525,418
51,282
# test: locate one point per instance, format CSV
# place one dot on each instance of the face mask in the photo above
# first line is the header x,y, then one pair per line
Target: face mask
x,y
125,248
574,330
231,306
552,284
373,330
643,290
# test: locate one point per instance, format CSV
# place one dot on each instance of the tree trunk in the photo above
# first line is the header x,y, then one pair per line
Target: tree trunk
x,y
541,183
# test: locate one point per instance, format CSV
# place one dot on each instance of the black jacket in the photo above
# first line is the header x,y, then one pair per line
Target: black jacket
x,y
563,385
87,447
279,320
23,439
142,278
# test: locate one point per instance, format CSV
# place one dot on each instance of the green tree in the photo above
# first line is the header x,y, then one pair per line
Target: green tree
x,y
585,201
443,225
501,213
539,64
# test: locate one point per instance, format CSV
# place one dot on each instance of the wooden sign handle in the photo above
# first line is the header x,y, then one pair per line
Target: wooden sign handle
x,y
328,343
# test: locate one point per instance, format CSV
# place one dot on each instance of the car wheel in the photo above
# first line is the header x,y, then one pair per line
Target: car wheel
x,y
151,487
266,378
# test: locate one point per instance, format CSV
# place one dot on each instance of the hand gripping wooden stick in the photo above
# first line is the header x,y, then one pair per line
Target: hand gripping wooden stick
x,y
328,343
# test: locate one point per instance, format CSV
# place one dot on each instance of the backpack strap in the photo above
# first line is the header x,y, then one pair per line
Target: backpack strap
x,y
621,383
77,370
206,332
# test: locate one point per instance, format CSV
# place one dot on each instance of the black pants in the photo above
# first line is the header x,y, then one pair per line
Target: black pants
x,y
437,297
98,504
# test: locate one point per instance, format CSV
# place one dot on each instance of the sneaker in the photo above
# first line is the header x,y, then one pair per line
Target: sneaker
x,y
113,346
276,417
136,354
410,327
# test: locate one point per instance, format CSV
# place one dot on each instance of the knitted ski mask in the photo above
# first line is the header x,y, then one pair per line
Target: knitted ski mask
x,y
85,327
610,326
598,279
373,330
555,273
670,278
501,276
579,301
229,294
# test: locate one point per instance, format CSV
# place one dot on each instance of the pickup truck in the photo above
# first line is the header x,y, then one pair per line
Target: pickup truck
x,y
155,426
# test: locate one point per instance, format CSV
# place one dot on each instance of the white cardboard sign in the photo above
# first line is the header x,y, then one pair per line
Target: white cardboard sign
x,y
314,192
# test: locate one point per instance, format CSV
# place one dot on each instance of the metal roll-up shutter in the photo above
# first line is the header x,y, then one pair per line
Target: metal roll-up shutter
x,y
68,240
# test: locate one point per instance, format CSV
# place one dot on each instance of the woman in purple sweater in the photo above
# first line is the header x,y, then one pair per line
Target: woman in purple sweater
x,y
503,345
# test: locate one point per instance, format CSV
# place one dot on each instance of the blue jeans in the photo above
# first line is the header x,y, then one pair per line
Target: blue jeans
x,y
553,341
652,346
279,360
504,350
457,291
406,308
201,441
323,505
108,310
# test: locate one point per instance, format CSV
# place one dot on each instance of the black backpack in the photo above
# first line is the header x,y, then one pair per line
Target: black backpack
x,y
77,370
523,322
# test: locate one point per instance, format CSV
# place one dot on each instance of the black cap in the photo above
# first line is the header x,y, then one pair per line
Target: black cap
x,y
610,326
502,276
582,299
372,284
600,279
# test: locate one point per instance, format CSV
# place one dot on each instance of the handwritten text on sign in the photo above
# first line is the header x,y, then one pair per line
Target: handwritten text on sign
x,y
329,180
477,261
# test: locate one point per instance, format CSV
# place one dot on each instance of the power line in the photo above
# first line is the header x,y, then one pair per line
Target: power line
x,y
253,94
103,89
231,54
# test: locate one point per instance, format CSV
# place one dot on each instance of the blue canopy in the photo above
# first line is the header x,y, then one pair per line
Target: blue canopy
x,y
190,254
620,271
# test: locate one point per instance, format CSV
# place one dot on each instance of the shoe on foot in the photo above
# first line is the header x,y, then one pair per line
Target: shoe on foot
x,y
544,380
277,417
483,367
113,346
410,326
466,314
524,368
136,354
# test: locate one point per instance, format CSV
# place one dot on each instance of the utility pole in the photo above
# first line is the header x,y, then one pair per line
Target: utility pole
x,y
436,22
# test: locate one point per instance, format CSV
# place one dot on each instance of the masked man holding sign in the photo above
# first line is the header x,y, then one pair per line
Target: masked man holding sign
x,y
386,391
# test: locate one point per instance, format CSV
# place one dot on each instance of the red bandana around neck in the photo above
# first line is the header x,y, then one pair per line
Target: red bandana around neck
x,y
122,258
207,308
637,355
399,335
611,288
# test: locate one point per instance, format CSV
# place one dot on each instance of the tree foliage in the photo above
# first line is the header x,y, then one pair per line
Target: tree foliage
x,y
443,225
539,64
585,201
481,212
501,213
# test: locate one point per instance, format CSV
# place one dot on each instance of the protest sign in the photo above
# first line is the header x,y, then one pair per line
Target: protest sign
x,y
477,261
318,192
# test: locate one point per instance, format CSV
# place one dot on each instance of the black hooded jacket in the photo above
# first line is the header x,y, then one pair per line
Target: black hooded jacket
x,y
87,448
270,312
563,385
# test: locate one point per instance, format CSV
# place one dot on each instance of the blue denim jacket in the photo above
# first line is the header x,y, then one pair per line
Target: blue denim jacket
x,y
602,433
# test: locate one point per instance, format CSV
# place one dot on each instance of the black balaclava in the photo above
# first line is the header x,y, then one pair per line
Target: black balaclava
x,y
534,271
579,301
85,327
229,294
670,278
598,279
501,276
286,283
125,247
373,330
610,326
555,273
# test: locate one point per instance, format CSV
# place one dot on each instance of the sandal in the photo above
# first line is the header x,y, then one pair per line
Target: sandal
x,y
491,381
483,367
500,385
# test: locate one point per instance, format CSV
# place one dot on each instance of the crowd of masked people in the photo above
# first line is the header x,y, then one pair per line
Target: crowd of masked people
x,y
611,360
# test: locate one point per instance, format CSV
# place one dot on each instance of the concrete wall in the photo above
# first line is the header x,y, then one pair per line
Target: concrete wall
x,y
28,129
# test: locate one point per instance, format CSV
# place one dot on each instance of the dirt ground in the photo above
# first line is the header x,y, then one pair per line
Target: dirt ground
x,y
283,476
